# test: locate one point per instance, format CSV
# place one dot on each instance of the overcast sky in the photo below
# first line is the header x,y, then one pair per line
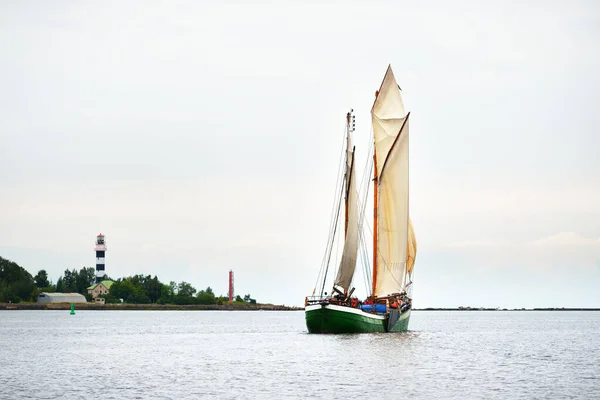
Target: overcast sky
x,y
205,136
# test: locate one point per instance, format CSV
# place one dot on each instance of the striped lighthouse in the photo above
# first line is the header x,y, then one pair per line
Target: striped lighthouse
x,y
100,253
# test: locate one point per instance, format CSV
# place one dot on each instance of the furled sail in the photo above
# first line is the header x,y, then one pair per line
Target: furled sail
x,y
348,262
390,131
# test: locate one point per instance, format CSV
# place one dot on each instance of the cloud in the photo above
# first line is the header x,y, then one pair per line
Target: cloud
x,y
480,243
564,251
566,239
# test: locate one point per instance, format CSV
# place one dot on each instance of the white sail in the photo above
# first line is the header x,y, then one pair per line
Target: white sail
x,y
387,117
348,262
390,131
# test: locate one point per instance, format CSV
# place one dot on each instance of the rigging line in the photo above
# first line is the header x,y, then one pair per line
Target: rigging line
x,y
329,258
363,203
365,259
335,200
362,245
364,190
331,237
364,248
333,229
337,259
366,183
365,255
366,178
348,182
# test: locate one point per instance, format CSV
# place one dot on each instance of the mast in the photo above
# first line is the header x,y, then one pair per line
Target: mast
x,y
348,116
348,177
347,264
375,190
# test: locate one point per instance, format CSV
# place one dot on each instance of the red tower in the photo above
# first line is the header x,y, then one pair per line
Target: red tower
x,y
230,285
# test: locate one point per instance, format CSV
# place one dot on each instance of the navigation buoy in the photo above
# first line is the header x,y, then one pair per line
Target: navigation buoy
x,y
72,308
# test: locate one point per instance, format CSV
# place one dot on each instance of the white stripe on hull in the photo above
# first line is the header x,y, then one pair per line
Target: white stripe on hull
x,y
404,315
344,309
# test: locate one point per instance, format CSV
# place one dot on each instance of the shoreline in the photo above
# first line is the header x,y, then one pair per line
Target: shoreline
x,y
147,307
234,307
509,309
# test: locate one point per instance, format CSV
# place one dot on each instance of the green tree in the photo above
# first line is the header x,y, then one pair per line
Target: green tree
x,y
185,289
84,279
185,294
167,293
41,279
130,289
70,280
206,296
153,288
16,283
121,289
60,285
110,299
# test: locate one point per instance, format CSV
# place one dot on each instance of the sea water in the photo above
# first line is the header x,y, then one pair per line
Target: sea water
x,y
270,355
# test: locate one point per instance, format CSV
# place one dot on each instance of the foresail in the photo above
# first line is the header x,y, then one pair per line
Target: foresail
x,y
348,262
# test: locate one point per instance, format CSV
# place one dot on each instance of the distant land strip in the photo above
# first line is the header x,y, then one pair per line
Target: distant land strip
x,y
234,307
127,306
507,309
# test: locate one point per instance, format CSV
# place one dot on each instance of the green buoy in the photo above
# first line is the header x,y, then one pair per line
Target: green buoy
x,y
72,308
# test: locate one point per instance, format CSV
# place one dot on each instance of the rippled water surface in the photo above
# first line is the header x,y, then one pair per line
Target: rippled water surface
x,y
269,355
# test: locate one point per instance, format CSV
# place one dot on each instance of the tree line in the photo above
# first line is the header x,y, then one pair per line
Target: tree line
x,y
16,284
145,289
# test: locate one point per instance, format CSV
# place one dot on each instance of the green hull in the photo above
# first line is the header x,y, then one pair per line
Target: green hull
x,y
340,319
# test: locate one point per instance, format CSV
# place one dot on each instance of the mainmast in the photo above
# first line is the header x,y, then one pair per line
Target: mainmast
x,y
375,190
375,226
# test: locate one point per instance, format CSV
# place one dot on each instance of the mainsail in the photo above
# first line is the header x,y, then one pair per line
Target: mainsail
x,y
390,131
348,262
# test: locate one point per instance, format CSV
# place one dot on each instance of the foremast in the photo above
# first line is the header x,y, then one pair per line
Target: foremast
x,y
347,265
349,157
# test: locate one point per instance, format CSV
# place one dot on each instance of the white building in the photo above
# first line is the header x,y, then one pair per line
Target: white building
x,y
45,297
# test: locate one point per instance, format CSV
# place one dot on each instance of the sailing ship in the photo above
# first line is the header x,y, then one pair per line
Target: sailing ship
x,y
388,303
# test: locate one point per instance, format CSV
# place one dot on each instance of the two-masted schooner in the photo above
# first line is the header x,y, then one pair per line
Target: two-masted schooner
x,y
388,306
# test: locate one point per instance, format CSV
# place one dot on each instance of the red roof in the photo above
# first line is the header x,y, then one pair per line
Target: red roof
x,y
100,235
